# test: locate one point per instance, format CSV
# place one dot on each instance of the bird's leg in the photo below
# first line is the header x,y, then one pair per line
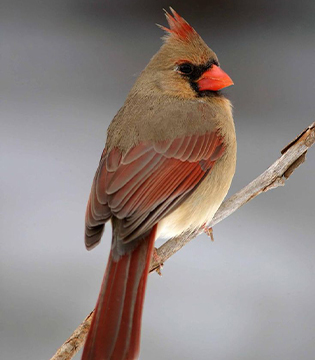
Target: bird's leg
x,y
158,260
208,231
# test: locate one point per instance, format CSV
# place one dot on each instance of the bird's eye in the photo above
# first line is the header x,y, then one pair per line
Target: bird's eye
x,y
186,68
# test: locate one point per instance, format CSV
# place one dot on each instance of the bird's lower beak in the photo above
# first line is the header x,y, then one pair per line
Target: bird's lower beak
x,y
214,79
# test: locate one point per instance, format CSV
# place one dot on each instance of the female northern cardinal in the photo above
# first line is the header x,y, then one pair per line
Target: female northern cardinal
x,y
168,163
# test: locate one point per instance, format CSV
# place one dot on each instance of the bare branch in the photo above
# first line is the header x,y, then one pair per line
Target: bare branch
x,y
293,155
69,348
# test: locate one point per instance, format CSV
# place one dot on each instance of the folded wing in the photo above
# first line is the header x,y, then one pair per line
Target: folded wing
x,y
140,187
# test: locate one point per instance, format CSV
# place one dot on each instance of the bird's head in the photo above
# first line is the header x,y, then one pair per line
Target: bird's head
x,y
185,66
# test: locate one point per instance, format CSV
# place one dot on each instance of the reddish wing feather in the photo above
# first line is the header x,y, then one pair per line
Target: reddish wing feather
x,y
148,182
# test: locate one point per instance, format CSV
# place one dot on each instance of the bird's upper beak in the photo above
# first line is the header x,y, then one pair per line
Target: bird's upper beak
x,y
214,79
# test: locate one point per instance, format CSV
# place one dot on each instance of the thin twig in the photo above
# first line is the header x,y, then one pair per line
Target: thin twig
x,y
69,348
293,155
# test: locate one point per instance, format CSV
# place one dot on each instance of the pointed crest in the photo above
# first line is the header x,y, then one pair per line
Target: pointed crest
x,y
179,27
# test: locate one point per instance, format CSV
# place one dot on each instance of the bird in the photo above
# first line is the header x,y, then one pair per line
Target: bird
x,y
168,163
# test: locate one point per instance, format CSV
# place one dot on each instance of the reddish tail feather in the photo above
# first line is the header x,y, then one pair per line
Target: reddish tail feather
x,y
116,325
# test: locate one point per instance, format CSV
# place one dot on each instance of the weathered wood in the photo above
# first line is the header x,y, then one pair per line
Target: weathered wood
x,y
292,156
70,347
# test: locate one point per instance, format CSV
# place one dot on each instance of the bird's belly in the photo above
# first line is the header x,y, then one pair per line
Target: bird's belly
x,y
203,203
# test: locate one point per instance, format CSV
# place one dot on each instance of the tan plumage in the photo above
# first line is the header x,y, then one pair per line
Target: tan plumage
x,y
161,117
167,165
162,105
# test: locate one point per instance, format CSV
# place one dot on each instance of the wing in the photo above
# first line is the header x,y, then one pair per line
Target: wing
x,y
139,188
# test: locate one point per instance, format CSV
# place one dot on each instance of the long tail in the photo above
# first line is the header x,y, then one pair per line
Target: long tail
x,y
116,325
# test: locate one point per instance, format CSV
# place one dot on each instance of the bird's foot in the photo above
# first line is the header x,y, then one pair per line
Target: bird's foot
x,y
208,231
157,258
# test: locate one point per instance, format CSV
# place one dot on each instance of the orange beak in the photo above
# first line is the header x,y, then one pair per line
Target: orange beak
x,y
214,79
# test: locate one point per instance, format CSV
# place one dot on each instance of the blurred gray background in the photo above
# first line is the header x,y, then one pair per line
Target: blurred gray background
x,y
66,68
